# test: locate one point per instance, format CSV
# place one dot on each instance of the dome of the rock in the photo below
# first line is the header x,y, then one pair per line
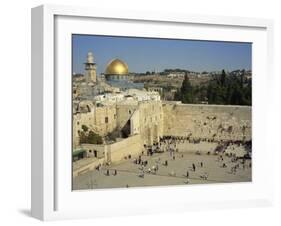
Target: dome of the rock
x,y
116,67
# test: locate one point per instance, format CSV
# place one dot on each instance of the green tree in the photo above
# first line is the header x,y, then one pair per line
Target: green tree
x,y
82,137
242,76
212,93
186,91
177,96
85,128
248,92
89,138
223,78
94,138
236,96
220,89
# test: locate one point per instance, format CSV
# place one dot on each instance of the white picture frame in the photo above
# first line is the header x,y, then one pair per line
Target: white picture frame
x,y
52,197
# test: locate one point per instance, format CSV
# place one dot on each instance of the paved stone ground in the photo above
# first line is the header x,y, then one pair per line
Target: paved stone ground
x,y
174,174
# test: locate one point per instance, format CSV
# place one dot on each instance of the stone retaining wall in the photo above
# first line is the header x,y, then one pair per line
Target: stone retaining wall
x,y
221,122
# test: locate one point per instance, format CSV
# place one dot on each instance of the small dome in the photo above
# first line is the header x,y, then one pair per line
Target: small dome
x,y
116,67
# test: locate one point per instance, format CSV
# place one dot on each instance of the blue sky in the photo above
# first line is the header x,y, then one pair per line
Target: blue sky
x,y
147,54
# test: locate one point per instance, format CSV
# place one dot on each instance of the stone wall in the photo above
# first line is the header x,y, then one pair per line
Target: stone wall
x,y
124,112
219,122
93,150
106,119
119,150
146,119
87,167
151,121
113,153
135,122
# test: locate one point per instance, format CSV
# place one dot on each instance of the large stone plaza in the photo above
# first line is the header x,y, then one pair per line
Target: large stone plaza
x,y
130,174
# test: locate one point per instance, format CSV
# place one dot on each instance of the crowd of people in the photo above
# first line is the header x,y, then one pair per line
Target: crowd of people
x,y
170,144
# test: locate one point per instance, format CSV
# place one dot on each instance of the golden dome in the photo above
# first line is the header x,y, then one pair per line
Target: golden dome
x,y
116,67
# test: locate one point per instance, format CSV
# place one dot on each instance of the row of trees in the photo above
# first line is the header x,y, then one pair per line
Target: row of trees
x,y
221,89
87,136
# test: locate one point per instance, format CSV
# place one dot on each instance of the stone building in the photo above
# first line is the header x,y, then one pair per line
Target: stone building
x,y
137,113
101,119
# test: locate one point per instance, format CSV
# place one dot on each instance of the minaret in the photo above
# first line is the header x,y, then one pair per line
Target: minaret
x,y
90,68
